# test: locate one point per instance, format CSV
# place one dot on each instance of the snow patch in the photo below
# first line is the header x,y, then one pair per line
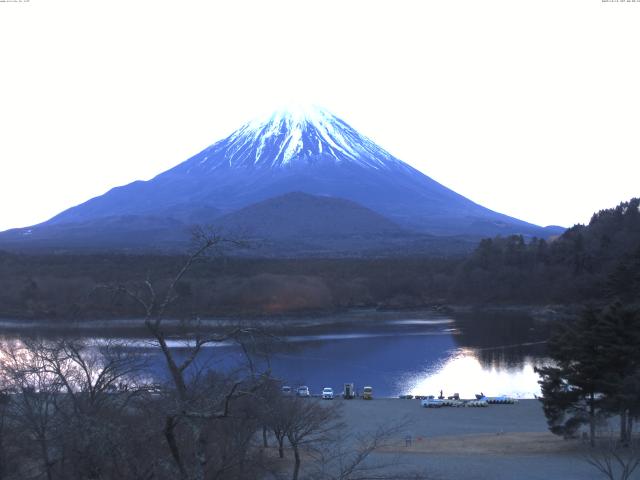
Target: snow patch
x,y
293,135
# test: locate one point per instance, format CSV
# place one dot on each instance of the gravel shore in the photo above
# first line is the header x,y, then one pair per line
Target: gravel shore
x,y
499,442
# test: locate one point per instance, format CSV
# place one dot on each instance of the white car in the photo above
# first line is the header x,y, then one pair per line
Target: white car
x,y
327,393
286,390
303,391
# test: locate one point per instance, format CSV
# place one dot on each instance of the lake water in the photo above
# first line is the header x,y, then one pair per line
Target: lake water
x,y
420,356
399,353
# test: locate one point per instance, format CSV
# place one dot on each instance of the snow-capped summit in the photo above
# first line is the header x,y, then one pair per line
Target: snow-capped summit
x,y
290,136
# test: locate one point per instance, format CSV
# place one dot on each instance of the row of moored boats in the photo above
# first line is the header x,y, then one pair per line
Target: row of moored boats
x,y
479,401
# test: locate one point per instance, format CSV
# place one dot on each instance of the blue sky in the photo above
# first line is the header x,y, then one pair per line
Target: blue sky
x,y
527,107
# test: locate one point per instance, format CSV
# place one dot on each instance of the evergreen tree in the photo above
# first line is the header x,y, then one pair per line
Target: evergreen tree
x,y
619,332
624,281
596,372
570,388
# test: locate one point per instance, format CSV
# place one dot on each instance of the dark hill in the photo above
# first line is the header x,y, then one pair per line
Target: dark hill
x,y
300,215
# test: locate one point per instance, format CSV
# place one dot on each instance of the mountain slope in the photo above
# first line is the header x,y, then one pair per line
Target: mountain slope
x,y
121,232
291,225
309,151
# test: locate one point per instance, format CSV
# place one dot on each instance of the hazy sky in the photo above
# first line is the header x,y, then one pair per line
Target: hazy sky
x,y
530,107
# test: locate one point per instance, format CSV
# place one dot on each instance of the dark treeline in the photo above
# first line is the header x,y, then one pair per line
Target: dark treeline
x,y
66,286
593,263
587,263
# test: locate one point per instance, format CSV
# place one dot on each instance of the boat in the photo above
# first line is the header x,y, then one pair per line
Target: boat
x,y
476,403
432,403
501,400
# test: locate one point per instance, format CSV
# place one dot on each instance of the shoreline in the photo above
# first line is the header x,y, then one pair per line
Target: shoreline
x,y
297,321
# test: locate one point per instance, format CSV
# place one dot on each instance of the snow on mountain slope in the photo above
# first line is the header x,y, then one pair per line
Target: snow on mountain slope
x,y
295,135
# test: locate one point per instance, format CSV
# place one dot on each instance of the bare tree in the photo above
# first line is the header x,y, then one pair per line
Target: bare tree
x,y
194,404
614,460
307,422
316,432
276,418
97,386
88,373
36,395
4,403
346,456
65,397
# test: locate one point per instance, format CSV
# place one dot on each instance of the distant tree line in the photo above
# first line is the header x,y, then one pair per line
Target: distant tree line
x,y
588,263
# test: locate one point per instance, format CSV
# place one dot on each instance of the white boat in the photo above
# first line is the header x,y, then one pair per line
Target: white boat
x,y
477,403
502,399
432,403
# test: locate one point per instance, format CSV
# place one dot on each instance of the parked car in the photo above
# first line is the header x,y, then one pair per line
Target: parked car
x,y
367,393
349,391
286,390
327,393
303,391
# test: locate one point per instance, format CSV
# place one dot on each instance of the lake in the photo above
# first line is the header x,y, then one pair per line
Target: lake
x,y
418,353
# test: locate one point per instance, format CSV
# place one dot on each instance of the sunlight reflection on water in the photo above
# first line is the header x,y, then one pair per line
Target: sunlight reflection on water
x,y
463,373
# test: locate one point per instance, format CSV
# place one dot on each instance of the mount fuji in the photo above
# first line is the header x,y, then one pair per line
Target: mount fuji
x,y
276,178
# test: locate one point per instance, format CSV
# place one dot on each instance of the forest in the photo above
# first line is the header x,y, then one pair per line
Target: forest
x,y
591,263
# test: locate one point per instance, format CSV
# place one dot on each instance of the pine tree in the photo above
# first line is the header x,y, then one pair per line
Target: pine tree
x,y
571,387
596,372
619,331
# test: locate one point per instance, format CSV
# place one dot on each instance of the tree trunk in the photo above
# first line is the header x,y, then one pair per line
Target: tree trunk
x,y
265,444
281,447
296,466
592,420
45,458
201,451
169,435
623,427
174,370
